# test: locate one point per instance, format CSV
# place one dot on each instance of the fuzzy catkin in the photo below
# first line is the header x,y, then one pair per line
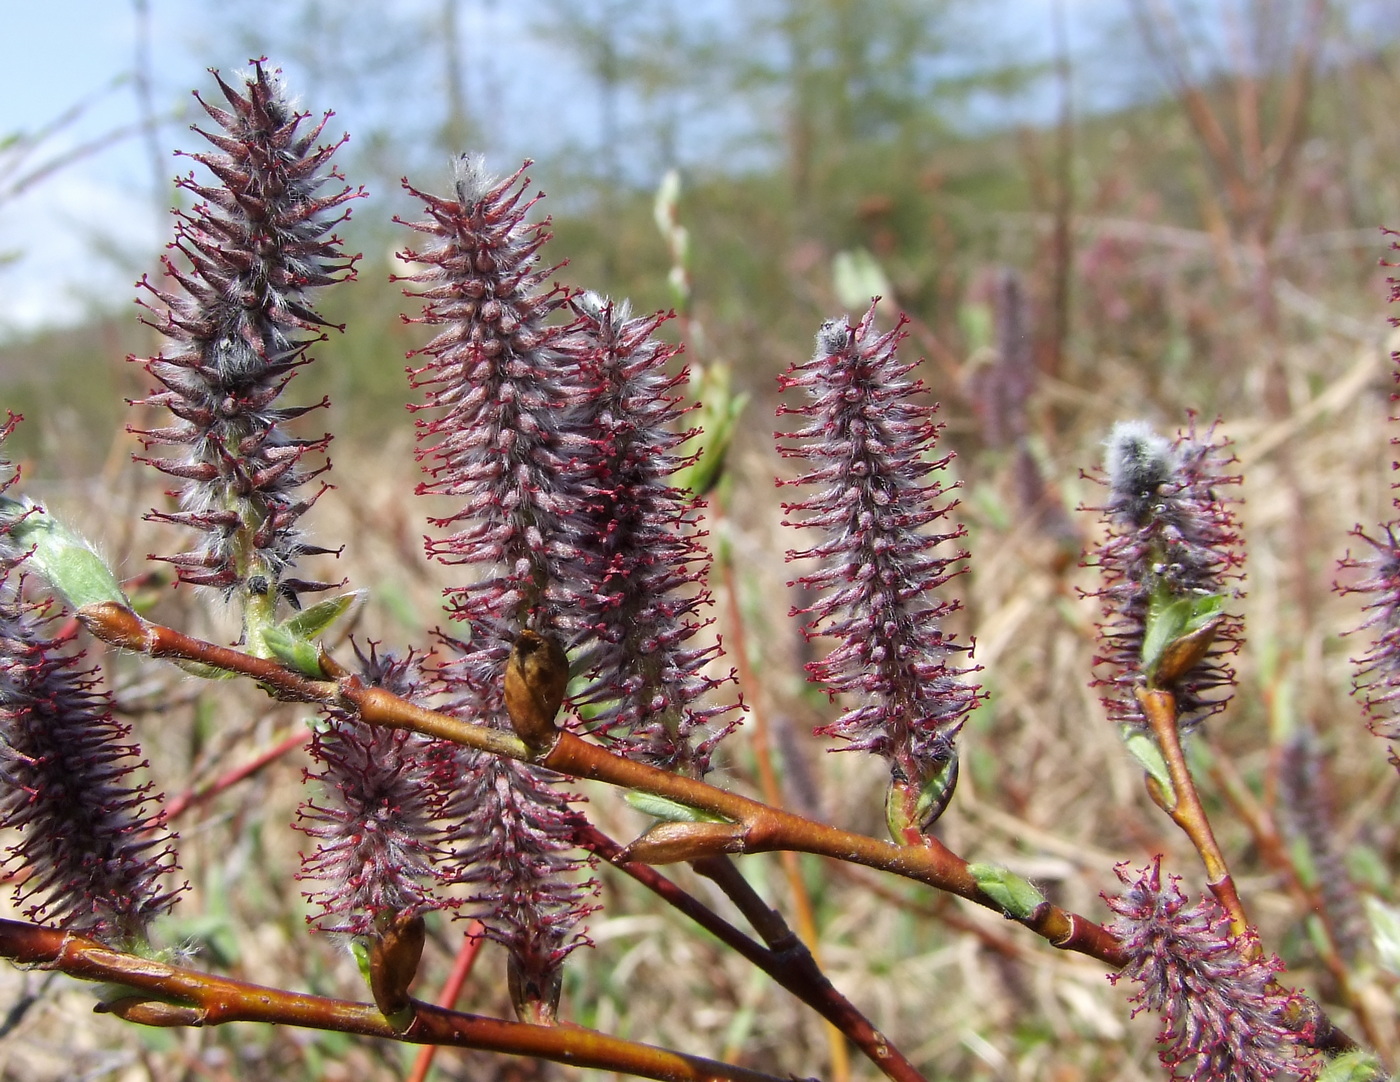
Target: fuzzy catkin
x,y
639,565
99,860
867,446
498,394
1223,1015
239,322
1172,536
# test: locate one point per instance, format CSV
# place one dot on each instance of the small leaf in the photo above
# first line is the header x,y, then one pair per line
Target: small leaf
x,y
65,560
905,811
936,793
312,623
1149,756
1177,623
977,322
671,811
296,653
203,671
1367,868
359,950
720,410
676,277
1358,1066
1016,896
668,195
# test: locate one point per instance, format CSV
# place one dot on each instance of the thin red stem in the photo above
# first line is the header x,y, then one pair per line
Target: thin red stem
x,y
200,794
447,999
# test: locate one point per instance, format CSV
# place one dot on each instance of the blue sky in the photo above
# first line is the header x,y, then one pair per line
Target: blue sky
x,y
90,229
83,229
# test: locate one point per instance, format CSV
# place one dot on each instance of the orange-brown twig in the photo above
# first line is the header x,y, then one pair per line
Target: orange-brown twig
x,y
757,828
166,995
1186,809
772,794
761,829
784,959
754,827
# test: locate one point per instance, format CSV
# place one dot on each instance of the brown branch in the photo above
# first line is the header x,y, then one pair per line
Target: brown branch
x,y
1185,807
757,828
785,959
166,995
754,828
761,829
759,742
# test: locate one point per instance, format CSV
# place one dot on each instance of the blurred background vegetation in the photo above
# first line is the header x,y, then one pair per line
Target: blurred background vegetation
x,y
1089,212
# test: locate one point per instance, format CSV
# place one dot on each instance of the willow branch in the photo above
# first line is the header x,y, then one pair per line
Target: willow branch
x,y
752,827
1185,807
798,895
785,958
166,995
757,828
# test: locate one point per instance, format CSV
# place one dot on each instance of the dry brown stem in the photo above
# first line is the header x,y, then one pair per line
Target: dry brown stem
x,y
166,995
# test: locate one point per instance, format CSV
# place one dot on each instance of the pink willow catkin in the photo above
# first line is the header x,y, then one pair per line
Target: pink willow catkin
x,y
1222,1014
868,448
499,387
240,323
557,439
92,855
1172,537
380,839
638,567
1377,671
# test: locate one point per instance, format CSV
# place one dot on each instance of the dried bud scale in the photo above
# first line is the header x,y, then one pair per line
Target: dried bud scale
x,y
1172,539
379,841
868,443
240,322
640,567
1223,1014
